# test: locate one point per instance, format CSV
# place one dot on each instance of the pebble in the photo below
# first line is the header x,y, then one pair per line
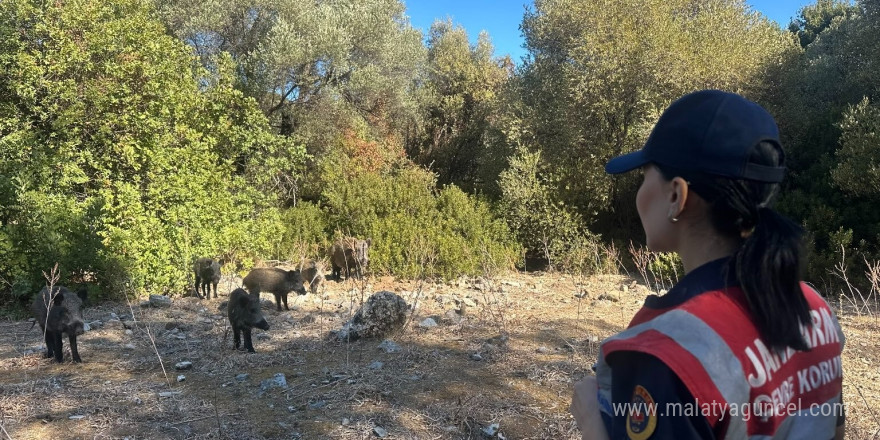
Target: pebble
x,y
388,346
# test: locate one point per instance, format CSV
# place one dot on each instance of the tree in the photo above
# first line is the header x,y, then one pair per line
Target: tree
x,y
822,106
601,72
314,66
815,18
462,87
121,158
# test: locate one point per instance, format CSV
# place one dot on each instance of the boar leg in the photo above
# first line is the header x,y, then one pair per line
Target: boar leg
x,y
73,350
50,344
215,290
248,344
278,301
198,282
236,335
59,352
284,298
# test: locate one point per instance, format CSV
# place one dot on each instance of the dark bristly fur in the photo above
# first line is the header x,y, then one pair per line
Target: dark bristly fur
x,y
279,282
244,314
59,313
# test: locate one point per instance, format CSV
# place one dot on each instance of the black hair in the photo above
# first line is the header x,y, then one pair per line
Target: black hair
x,y
769,260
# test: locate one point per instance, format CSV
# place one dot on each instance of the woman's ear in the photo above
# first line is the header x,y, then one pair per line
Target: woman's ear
x,y
677,197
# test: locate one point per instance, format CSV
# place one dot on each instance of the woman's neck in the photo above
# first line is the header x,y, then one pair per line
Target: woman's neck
x,y
703,248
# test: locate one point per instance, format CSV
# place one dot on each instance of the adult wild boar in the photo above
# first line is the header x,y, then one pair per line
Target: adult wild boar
x,y
207,273
244,314
279,282
350,254
57,313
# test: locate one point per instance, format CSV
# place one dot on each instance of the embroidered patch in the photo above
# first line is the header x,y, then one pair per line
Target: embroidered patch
x,y
642,417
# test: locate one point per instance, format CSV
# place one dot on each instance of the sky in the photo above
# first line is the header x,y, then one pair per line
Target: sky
x,y
501,18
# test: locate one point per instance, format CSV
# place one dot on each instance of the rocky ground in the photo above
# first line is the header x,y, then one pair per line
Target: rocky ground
x,y
478,358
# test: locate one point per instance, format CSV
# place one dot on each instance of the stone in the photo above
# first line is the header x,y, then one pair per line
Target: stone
x,y
428,323
160,301
185,365
277,381
389,346
383,313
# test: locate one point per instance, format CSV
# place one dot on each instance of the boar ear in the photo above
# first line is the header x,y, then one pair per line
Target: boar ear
x,y
58,297
369,241
83,294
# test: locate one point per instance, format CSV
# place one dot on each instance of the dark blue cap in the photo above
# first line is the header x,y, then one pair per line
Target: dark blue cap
x,y
709,132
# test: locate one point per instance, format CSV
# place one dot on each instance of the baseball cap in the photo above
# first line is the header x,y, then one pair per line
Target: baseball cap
x,y
708,132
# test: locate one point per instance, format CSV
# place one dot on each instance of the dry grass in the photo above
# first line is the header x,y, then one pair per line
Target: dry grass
x,y
535,333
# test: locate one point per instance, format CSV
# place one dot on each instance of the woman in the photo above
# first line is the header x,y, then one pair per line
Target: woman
x,y
740,347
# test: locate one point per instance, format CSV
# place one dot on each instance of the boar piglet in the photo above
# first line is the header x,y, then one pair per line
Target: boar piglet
x,y
244,314
57,313
207,273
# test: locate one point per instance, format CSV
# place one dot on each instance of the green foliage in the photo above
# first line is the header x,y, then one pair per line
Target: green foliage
x,y
120,159
602,72
815,18
858,159
545,226
824,113
316,68
305,231
461,86
417,231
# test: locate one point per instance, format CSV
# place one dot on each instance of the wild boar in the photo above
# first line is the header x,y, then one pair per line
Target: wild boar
x,y
244,314
279,282
350,254
57,313
207,273
313,272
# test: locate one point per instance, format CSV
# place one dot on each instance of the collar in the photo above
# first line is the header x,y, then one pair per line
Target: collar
x,y
714,275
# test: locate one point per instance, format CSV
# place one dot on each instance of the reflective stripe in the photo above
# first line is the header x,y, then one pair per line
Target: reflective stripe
x,y
710,349
807,423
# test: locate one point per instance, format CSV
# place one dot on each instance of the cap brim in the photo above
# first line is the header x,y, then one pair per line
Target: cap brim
x,y
627,162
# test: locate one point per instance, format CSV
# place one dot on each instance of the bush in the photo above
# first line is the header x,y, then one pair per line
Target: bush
x,y
543,225
417,230
305,232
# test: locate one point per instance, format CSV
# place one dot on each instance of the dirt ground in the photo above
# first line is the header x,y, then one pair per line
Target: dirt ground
x,y
500,364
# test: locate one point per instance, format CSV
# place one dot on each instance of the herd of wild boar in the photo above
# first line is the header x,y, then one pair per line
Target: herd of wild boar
x,y
58,311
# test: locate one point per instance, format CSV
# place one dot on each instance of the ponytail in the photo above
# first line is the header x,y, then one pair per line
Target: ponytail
x,y
768,266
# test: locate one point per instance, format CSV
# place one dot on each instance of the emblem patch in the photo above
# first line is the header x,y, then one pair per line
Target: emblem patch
x,y
642,418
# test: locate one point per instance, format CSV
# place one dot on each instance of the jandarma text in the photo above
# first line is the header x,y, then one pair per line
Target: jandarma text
x,y
721,410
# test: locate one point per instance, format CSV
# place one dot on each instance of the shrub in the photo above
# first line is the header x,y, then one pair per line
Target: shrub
x,y
417,230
